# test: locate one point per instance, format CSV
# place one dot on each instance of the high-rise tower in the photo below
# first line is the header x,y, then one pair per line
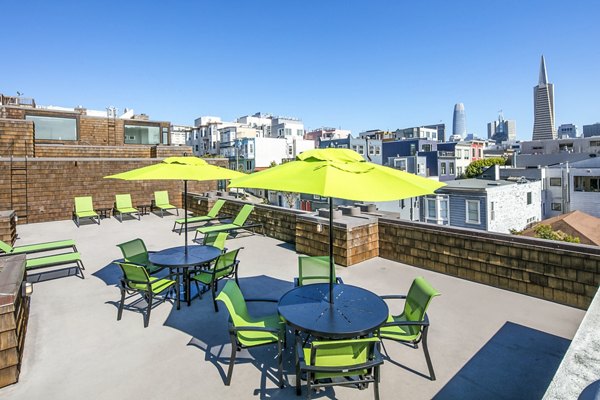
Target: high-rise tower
x,y
459,124
543,107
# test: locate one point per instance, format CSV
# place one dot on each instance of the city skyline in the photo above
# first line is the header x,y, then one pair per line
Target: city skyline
x,y
325,63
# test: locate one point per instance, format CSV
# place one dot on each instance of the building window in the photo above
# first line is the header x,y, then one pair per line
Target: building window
x,y
196,147
419,169
431,209
555,182
556,207
288,132
472,208
165,135
413,149
474,154
426,147
529,200
142,134
492,211
458,153
248,165
54,128
587,183
377,150
436,210
459,170
300,132
451,168
371,150
443,169
361,149
400,164
355,148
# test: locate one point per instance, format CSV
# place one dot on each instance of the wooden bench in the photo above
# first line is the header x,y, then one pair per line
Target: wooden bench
x,y
57,259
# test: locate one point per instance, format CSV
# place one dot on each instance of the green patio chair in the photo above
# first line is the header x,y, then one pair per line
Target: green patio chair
x,y
238,223
216,239
38,247
313,269
338,362
135,252
123,206
136,280
225,266
161,200
84,208
412,325
248,331
212,214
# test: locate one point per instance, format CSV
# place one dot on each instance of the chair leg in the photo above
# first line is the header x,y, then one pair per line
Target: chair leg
x,y
214,287
231,359
279,363
177,211
81,268
376,382
162,213
148,310
427,357
195,236
121,305
188,287
77,222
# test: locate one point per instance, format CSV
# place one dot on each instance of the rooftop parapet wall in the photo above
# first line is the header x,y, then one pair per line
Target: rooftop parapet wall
x,y
578,376
557,271
8,227
53,183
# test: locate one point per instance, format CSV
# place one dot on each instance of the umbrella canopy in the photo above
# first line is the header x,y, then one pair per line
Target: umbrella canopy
x,y
340,173
180,169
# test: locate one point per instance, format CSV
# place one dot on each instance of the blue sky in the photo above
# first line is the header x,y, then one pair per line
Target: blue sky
x,y
352,64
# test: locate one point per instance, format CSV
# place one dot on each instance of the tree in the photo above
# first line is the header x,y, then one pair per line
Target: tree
x,y
543,231
476,167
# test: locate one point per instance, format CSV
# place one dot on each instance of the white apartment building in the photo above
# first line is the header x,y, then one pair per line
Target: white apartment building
x,y
180,134
573,186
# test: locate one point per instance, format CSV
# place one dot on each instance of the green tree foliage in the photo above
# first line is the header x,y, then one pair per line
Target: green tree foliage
x,y
546,232
476,167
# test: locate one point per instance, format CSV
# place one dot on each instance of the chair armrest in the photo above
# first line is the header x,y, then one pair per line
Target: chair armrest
x,y
369,364
393,296
425,322
254,329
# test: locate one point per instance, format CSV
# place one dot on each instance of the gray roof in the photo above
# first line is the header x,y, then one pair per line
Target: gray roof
x,y
477,185
590,162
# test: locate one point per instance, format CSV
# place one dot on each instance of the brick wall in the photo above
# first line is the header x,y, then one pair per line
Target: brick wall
x,y
53,183
351,244
8,227
78,151
172,151
556,271
16,138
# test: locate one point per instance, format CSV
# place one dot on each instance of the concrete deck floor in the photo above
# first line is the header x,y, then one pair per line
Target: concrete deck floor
x,y
485,342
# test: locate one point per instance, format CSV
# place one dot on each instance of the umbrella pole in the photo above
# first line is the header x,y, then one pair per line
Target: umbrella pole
x,y
185,214
331,265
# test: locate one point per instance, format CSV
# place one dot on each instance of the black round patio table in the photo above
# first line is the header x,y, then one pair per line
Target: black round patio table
x,y
355,311
176,258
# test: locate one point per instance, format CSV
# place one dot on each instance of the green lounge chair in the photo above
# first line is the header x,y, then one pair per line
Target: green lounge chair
x,y
136,280
238,223
224,267
38,247
211,215
313,269
161,200
56,259
248,331
412,325
84,208
135,252
329,363
123,206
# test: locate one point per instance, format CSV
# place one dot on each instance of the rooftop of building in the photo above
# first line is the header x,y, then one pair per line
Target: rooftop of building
x,y
575,223
481,337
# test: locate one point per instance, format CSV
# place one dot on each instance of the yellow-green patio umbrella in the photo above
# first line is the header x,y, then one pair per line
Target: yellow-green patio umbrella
x,y
180,169
340,173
